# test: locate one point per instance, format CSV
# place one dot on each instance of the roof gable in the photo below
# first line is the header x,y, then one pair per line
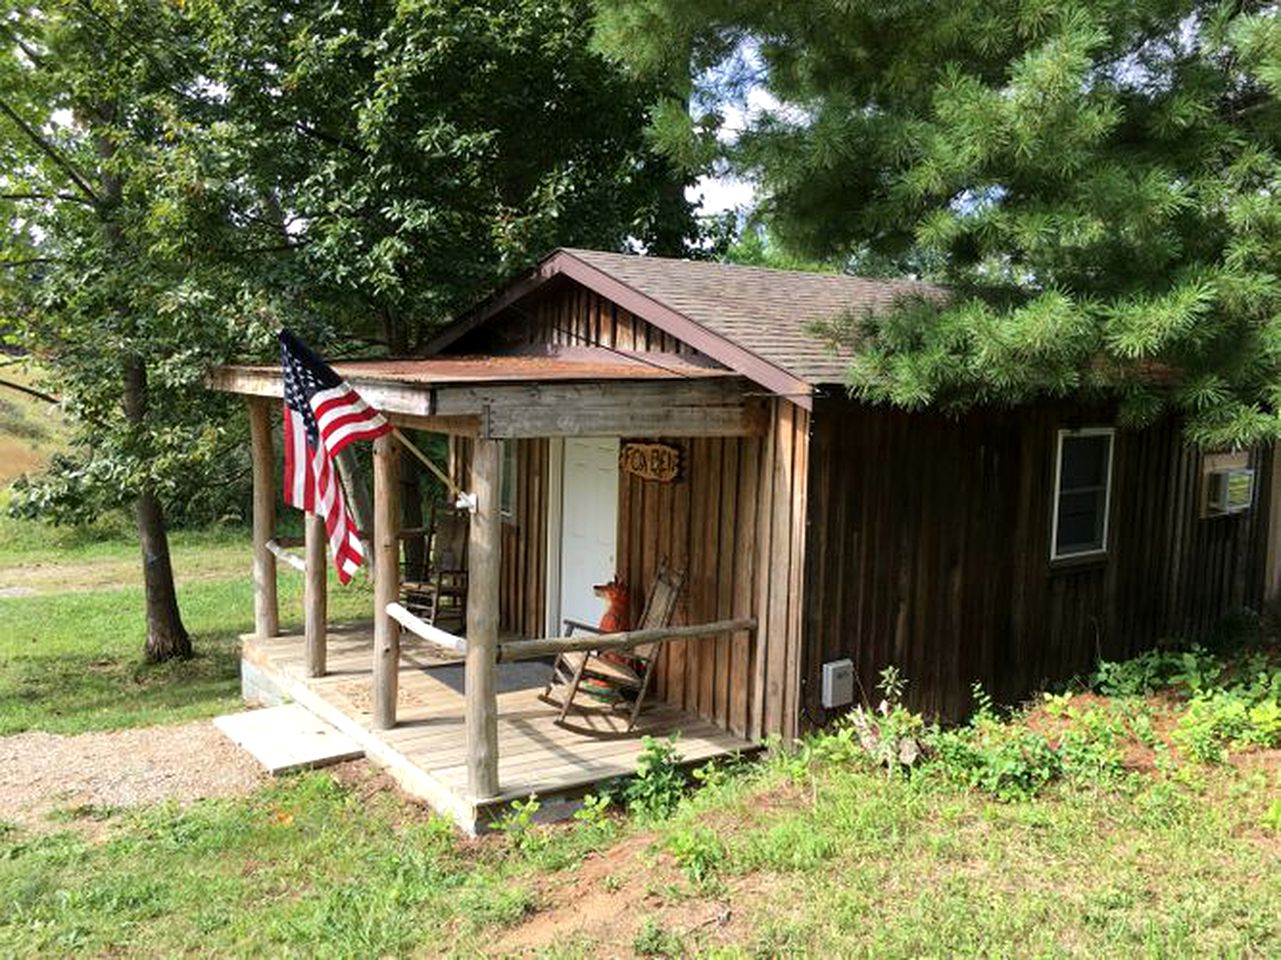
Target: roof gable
x,y
754,320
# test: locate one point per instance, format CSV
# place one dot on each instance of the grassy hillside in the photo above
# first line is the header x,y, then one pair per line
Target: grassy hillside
x,y
30,429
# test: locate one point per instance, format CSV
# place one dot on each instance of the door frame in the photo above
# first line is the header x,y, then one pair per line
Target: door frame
x,y
556,529
555,520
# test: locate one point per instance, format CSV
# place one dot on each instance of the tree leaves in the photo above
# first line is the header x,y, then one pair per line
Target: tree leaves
x,y
1099,183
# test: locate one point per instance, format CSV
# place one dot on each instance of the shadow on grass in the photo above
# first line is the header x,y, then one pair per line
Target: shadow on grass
x,y
73,693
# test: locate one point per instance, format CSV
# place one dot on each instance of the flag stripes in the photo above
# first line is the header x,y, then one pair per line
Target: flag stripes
x,y
322,415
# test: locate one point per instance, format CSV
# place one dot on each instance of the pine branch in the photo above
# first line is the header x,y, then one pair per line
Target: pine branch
x,y
51,152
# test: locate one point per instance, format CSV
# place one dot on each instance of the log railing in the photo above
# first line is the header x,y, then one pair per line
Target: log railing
x,y
287,557
548,646
419,627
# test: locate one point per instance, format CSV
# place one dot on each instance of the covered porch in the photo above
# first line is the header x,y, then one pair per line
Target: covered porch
x,y
458,718
426,751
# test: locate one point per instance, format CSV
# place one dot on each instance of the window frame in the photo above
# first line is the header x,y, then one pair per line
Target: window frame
x,y
1062,435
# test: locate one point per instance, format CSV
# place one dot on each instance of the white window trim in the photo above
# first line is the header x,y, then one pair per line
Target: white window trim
x,y
1110,433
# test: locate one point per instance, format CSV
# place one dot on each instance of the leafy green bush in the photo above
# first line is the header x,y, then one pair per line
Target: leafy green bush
x,y
1245,714
652,939
697,851
891,734
1196,668
1008,760
519,826
657,789
1091,744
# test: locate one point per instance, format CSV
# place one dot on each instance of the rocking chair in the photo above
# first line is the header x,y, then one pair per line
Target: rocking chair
x,y
622,677
437,590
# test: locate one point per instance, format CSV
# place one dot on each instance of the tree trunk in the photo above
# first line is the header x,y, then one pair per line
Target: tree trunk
x,y
167,638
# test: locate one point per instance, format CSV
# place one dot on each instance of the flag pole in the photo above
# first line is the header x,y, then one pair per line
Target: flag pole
x,y
462,498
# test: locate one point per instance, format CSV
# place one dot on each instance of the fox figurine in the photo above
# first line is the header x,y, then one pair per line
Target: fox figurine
x,y
617,617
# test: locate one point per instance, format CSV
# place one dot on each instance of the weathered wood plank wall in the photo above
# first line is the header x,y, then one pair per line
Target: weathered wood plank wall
x,y
566,314
930,550
523,584
735,524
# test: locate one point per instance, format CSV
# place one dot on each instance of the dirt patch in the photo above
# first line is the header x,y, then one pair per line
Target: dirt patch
x,y
45,773
45,578
617,892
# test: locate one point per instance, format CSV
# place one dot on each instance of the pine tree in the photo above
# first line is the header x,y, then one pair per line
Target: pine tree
x,y
1096,182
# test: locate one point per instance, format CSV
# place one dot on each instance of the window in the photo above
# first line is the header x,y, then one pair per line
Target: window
x,y
507,483
1082,492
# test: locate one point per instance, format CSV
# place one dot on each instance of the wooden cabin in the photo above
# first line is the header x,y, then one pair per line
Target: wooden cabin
x,y
614,412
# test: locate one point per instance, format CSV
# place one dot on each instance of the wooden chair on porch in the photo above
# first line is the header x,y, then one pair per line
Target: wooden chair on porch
x,y
436,590
618,677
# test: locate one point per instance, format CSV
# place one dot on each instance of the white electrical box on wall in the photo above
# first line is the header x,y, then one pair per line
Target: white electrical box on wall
x,y
838,683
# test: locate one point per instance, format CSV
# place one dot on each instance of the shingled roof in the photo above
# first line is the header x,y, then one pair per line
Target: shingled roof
x,y
755,320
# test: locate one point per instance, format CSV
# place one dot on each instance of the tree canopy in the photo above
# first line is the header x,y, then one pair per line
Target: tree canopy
x,y
1097,183
179,179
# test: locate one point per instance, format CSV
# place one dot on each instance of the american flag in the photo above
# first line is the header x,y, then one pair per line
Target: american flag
x,y
322,415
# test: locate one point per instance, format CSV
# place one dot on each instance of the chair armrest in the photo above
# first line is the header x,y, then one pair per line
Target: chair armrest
x,y
572,625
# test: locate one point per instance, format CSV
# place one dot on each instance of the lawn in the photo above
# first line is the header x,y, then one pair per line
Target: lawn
x,y
71,642
1138,816
824,857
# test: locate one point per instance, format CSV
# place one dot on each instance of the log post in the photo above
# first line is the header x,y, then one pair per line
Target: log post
x,y
479,680
386,580
266,606
315,595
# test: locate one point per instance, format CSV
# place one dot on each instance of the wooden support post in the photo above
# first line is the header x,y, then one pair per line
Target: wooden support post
x,y
315,595
266,606
386,580
480,684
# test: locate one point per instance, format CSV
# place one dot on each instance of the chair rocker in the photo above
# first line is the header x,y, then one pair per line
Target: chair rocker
x,y
622,677
437,590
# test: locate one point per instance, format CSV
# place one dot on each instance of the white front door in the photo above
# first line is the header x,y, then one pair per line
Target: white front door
x,y
589,525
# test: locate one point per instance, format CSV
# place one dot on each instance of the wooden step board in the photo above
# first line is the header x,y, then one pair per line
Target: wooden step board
x,y
288,737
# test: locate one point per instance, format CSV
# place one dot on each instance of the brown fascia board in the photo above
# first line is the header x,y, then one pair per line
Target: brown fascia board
x,y
562,262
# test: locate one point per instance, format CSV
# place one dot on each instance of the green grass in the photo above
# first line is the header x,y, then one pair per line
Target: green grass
x,y
71,656
865,865
842,861
305,868
816,853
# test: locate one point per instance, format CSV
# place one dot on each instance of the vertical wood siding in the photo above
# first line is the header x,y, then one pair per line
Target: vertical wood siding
x,y
522,595
523,591
735,524
930,544
568,314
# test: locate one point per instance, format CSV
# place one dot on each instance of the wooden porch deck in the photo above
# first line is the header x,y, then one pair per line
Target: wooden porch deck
x,y
426,751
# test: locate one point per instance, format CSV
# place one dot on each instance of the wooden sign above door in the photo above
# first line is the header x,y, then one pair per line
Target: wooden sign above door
x,y
651,461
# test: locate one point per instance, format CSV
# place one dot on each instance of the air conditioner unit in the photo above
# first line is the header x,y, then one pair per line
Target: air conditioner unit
x,y
1230,491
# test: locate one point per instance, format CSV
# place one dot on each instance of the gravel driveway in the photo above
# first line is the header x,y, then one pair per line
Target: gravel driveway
x,y
43,772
